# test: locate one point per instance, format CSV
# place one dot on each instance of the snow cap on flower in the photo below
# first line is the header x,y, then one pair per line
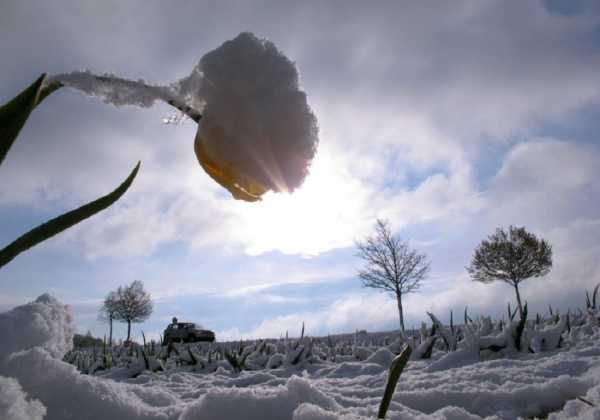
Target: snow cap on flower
x,y
257,131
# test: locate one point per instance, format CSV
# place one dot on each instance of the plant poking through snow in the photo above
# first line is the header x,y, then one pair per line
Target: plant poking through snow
x,y
591,303
447,334
511,314
237,360
398,365
479,338
13,116
421,345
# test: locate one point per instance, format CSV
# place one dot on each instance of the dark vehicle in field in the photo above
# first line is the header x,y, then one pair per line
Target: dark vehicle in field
x,y
186,332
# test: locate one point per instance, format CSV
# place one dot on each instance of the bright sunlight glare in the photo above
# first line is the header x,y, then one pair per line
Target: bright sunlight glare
x,y
324,213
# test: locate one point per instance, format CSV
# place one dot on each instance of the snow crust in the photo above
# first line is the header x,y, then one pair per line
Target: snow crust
x,y
36,384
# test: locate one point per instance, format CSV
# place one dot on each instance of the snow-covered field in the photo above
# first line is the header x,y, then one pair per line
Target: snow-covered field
x,y
556,374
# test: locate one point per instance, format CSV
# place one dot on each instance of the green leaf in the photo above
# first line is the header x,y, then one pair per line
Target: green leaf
x,y
65,221
298,357
146,362
14,114
398,365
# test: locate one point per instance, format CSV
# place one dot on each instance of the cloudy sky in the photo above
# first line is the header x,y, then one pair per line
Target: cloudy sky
x,y
449,119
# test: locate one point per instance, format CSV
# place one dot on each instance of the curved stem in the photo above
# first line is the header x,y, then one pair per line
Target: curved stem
x,y
168,98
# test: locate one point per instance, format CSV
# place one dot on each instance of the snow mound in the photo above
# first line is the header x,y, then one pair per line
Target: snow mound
x,y
579,410
309,411
35,336
44,323
454,359
255,403
506,388
67,394
14,404
382,357
352,369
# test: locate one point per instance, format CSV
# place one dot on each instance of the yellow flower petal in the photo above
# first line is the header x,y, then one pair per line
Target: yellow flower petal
x,y
241,186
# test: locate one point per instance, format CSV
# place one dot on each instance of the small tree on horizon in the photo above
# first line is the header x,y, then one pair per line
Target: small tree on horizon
x,y
391,265
107,313
133,304
511,256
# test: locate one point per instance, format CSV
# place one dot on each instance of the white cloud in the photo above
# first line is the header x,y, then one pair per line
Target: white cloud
x,y
417,111
546,183
343,315
540,165
376,311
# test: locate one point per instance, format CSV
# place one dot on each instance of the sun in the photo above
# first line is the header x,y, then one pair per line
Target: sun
x,y
320,215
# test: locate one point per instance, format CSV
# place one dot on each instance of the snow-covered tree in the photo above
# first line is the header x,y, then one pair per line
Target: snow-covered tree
x,y
132,304
511,256
391,265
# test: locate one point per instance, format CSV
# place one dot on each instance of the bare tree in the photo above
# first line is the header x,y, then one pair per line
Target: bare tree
x,y
107,313
133,304
391,265
511,256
